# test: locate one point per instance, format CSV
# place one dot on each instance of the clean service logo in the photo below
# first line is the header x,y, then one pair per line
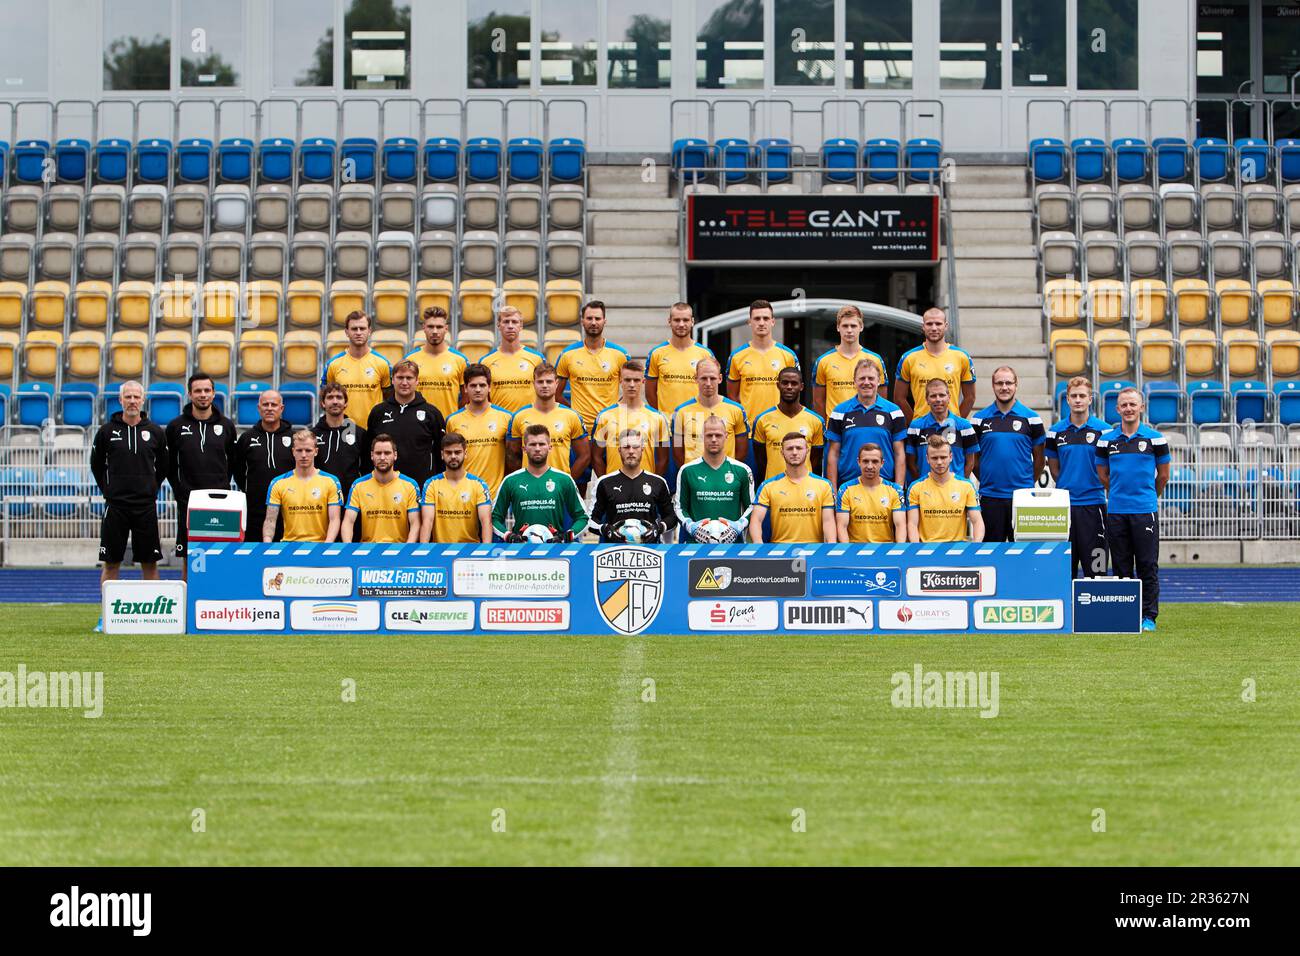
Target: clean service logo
x,y
854,582
629,584
429,615
239,615
402,582
334,615
928,582
307,582
1019,615
828,615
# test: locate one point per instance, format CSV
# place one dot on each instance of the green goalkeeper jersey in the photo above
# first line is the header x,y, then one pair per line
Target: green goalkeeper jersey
x,y
704,492
550,498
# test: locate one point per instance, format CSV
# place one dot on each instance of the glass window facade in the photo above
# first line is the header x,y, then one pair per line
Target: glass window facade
x,y
804,43
729,44
137,44
499,44
970,44
211,40
1038,43
638,45
568,43
302,37
878,45
24,47
1107,41
377,45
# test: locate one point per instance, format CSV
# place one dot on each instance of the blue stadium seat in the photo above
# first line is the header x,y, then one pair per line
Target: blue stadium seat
x,y
360,151
275,160
442,159
840,157
72,159
35,402
1047,159
194,160
77,403
1222,481
733,157
399,158
1090,159
921,155
1173,158
483,159
113,399
221,397
1254,159
166,399
1288,159
524,159
1251,401
1164,401
29,160
1182,484
1109,396
112,160
235,160
1206,399
775,153
245,397
1287,400
691,153
152,160
299,402
1062,406
1212,158
881,157
316,159
1130,159
17,484
568,157
62,483
4,404
4,154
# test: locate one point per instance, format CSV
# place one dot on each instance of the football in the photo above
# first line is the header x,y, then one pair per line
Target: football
x,y
538,534
634,531
715,531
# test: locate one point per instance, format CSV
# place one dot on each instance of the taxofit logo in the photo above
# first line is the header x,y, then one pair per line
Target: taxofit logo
x,y
143,607
239,615
524,616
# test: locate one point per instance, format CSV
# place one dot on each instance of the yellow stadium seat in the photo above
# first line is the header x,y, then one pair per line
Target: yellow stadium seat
x,y
176,304
85,354
262,299
430,292
8,349
563,301
346,296
257,353
49,303
336,342
1156,348
1191,301
1070,351
1114,352
134,303
1150,302
392,344
220,304
528,337
126,353
392,302
90,303
305,300
214,353
1200,352
41,353
12,297
1106,301
557,340
1277,298
1235,301
475,343
525,296
171,353
301,354
1243,347
1061,298
476,301
1284,352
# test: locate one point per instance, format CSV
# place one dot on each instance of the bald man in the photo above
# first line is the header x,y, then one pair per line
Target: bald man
x,y
262,454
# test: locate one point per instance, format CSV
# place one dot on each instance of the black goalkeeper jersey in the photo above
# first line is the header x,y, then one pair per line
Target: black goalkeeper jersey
x,y
620,498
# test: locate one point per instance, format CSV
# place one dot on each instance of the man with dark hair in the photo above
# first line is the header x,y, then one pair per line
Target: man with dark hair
x,y
941,503
802,505
561,422
631,493
340,442
590,368
788,415
129,462
939,420
752,369
538,494
201,454
442,368
412,422
633,413
262,454
833,371
362,371
386,503
484,426
455,506
1012,440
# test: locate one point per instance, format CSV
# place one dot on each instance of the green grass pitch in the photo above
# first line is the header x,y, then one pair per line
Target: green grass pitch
x,y
539,749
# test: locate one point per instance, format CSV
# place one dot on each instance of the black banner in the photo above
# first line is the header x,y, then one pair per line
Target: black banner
x,y
748,577
838,228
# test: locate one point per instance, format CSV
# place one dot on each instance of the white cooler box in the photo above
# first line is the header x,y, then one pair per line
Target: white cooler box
x,y
1041,514
217,515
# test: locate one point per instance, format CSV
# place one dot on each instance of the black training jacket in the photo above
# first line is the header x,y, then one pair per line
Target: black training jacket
x,y
339,451
417,427
202,453
129,462
260,458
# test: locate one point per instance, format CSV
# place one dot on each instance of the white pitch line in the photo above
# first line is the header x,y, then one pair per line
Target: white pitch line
x,y
614,816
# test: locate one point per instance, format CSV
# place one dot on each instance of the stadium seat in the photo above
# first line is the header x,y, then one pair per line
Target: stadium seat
x,y
133,304
22,208
175,304
299,402
1109,393
275,160
77,401
1251,402
440,206
399,158
524,206
690,155
521,253
28,158
563,301
482,203
1288,159
565,206
63,208
1047,159
568,158
357,158
476,301
1263,207
524,295
475,344
1283,352
1138,207
146,208
840,157
1180,207
1200,350
214,353
1130,158
1254,159
1061,254
479,254
1061,301
524,159
1114,352
1287,400
345,297
235,160
1220,207
1236,302
313,207
16,486
1091,159
8,362
557,340
433,292
271,205
437,254
1157,352
1244,352
442,159
923,158
111,160
153,160
1106,305
392,344
301,354
1212,158
356,206
353,255
1070,352
776,156
219,304
391,302
34,401
483,159
881,157
127,349
105,206
564,254
1164,402
397,204
194,160
165,401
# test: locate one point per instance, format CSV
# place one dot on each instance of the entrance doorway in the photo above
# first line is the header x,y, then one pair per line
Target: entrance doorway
x,y
1248,68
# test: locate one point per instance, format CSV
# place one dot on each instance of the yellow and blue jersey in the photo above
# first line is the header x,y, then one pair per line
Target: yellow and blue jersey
x,y
833,371
455,507
648,422
592,378
757,372
688,424
364,379
561,421
917,367
441,377
795,508
673,372
485,441
773,425
512,377
304,504
871,511
385,511
942,507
